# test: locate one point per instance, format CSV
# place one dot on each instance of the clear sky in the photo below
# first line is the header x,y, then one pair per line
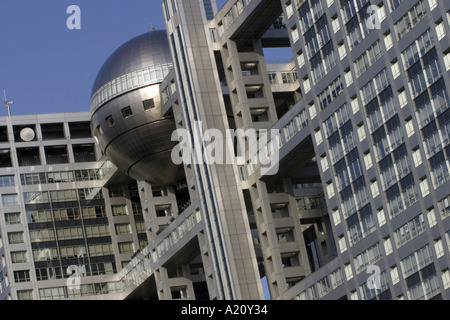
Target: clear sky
x,y
47,68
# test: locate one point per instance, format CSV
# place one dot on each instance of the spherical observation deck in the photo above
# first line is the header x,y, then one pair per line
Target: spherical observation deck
x,y
126,110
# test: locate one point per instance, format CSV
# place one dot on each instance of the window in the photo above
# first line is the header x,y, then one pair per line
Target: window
x,y
295,34
416,261
84,153
431,218
336,217
289,9
439,248
32,178
300,59
387,246
388,41
22,276
100,130
96,231
424,188
330,93
68,233
330,190
395,68
342,51
417,49
355,105
109,121
348,272
336,279
368,160
374,189
367,257
361,132
119,210
410,19
447,60
393,4
306,85
342,244
126,247
126,112
403,100
7,181
324,163
123,228
10,199
374,87
19,257
440,30
312,111
444,207
394,275
56,154
335,24
80,130
446,279
368,58
348,78
12,218
409,128
381,217
417,157
25,295
52,131
318,136
104,249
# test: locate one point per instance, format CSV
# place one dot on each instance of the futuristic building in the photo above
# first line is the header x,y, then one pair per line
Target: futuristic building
x,y
358,205
127,118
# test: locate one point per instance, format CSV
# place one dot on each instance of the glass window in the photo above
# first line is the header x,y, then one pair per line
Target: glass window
x,y
10,199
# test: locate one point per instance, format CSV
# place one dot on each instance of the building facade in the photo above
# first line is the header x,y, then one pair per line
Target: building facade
x,y
60,218
357,207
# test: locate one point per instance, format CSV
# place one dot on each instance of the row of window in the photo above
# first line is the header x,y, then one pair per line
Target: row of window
x,y
48,131
60,176
38,197
66,214
31,156
133,80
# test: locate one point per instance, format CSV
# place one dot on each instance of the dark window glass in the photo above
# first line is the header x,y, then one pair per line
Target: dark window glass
x,y
110,121
127,112
407,181
148,104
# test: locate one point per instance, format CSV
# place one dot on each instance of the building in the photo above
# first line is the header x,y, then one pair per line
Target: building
x,y
358,206
61,208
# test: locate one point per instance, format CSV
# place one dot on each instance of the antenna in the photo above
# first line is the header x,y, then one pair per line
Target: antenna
x,y
7,103
151,26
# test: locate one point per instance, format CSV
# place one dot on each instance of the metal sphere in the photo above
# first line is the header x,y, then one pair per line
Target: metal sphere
x,y
126,110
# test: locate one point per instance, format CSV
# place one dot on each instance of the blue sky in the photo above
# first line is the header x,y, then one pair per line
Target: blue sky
x,y
47,68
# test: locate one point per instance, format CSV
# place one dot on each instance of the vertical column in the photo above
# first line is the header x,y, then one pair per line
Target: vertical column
x,y
249,87
217,185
